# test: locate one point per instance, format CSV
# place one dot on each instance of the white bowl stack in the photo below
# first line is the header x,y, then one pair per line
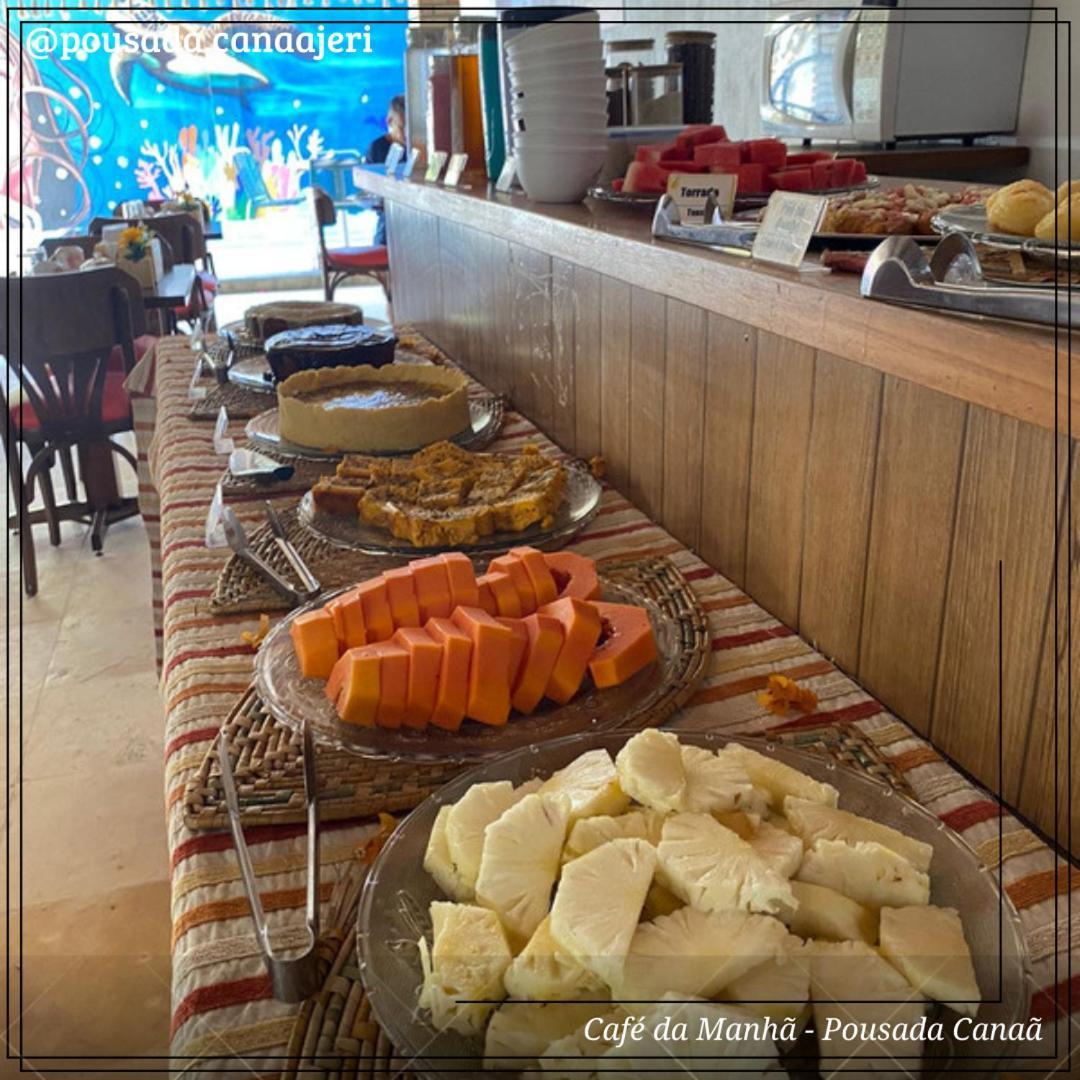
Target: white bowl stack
x,y
558,107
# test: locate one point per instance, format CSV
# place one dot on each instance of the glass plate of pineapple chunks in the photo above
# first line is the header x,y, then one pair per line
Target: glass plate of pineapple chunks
x,y
538,911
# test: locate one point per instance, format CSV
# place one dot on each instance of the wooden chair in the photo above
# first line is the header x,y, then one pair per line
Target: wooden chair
x,y
86,243
337,264
60,333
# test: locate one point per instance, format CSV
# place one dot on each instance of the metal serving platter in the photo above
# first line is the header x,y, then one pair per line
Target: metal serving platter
x,y
971,221
606,193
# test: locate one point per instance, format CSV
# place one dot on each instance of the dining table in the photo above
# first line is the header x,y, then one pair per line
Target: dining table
x,y
174,289
223,1006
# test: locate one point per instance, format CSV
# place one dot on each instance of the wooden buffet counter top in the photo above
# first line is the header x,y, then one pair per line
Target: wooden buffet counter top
x,y
1005,367
861,470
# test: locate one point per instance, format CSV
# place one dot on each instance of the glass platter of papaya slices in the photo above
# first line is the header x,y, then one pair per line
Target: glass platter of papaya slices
x,y
394,915
579,505
294,699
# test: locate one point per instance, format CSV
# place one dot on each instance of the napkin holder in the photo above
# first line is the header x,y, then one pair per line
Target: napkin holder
x,y
951,280
714,232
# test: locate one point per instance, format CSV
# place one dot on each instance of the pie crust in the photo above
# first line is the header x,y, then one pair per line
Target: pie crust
x,y
393,408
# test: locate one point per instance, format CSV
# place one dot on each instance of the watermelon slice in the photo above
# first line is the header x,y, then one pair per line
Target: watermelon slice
x,y
858,174
808,157
771,153
698,134
686,166
651,153
821,175
724,155
843,169
792,180
643,177
751,179
617,184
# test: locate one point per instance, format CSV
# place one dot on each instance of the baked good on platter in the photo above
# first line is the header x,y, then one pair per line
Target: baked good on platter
x,y
262,321
1017,208
333,345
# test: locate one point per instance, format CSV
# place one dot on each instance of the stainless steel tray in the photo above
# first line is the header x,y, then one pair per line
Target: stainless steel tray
x,y
971,221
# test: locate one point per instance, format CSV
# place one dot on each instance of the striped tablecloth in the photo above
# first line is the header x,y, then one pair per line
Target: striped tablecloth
x,y
221,995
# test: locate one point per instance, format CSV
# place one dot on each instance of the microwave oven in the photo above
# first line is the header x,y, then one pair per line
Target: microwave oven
x,y
887,71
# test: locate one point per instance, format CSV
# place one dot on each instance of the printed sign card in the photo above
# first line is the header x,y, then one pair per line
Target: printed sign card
x,y
508,177
393,158
455,169
410,163
690,192
790,220
435,166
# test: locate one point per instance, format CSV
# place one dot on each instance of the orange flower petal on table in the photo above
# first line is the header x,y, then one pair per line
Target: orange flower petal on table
x,y
783,692
369,850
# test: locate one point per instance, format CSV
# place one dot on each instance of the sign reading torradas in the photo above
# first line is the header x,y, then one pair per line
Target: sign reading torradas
x,y
691,191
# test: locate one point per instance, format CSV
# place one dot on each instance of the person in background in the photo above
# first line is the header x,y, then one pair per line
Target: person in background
x,y
380,147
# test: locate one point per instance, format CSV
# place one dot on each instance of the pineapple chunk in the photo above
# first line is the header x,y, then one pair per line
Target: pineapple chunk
x,y
660,900
742,1056
777,990
591,784
591,832
813,822
598,902
543,971
779,780
520,862
471,815
440,866
692,954
716,784
853,971
741,824
927,946
865,872
566,1058
651,770
782,851
467,958
519,1032
712,869
825,913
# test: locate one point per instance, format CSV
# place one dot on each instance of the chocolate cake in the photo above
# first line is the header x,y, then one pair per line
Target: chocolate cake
x,y
328,346
263,321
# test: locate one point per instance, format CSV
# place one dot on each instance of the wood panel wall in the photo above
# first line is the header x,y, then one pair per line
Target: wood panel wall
x,y
868,513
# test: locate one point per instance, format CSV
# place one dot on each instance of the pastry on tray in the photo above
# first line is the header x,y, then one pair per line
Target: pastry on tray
x,y
445,496
392,408
262,321
334,345
899,211
1017,208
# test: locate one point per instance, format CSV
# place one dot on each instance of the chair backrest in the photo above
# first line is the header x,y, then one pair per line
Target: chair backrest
x,y
177,236
87,243
251,179
59,331
324,213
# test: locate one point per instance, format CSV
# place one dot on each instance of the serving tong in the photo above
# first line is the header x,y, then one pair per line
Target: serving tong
x,y
715,232
238,541
951,279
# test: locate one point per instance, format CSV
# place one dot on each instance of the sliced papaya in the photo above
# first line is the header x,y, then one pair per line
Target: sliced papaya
x,y
540,578
401,595
504,596
316,643
626,643
425,656
489,666
347,611
518,646
432,587
462,576
510,564
581,630
336,679
544,641
358,699
485,597
393,682
575,575
378,622
452,693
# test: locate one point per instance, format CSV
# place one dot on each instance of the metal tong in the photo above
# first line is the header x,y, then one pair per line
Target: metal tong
x,y
899,272
292,978
733,238
238,541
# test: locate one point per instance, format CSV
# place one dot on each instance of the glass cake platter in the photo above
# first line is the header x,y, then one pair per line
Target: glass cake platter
x,y
579,506
294,699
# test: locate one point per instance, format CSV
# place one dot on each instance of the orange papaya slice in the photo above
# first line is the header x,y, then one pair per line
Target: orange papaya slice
x,y
462,576
358,698
347,611
626,643
432,587
540,578
575,575
581,630
504,596
517,647
316,643
485,598
452,693
401,595
509,564
489,667
336,679
393,682
544,641
425,656
378,622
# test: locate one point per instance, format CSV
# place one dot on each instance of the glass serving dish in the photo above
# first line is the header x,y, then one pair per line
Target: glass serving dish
x,y
971,220
393,913
579,506
294,699
485,419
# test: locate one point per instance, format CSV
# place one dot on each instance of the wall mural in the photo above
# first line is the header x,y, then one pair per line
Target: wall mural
x,y
148,102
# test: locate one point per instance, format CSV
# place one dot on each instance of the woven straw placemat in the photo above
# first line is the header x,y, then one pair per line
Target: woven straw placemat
x,y
267,756
241,402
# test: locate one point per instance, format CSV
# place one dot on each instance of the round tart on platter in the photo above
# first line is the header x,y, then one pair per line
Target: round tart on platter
x,y
391,408
262,321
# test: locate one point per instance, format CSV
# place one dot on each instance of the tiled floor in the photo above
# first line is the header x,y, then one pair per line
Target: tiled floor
x,y
95,899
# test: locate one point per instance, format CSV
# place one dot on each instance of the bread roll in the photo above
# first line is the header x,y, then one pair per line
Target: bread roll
x,y
1067,188
1018,208
1066,218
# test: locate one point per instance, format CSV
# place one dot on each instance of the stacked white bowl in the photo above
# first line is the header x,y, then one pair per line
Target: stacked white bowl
x,y
558,107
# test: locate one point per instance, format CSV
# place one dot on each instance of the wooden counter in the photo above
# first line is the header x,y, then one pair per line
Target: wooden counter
x,y
861,470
